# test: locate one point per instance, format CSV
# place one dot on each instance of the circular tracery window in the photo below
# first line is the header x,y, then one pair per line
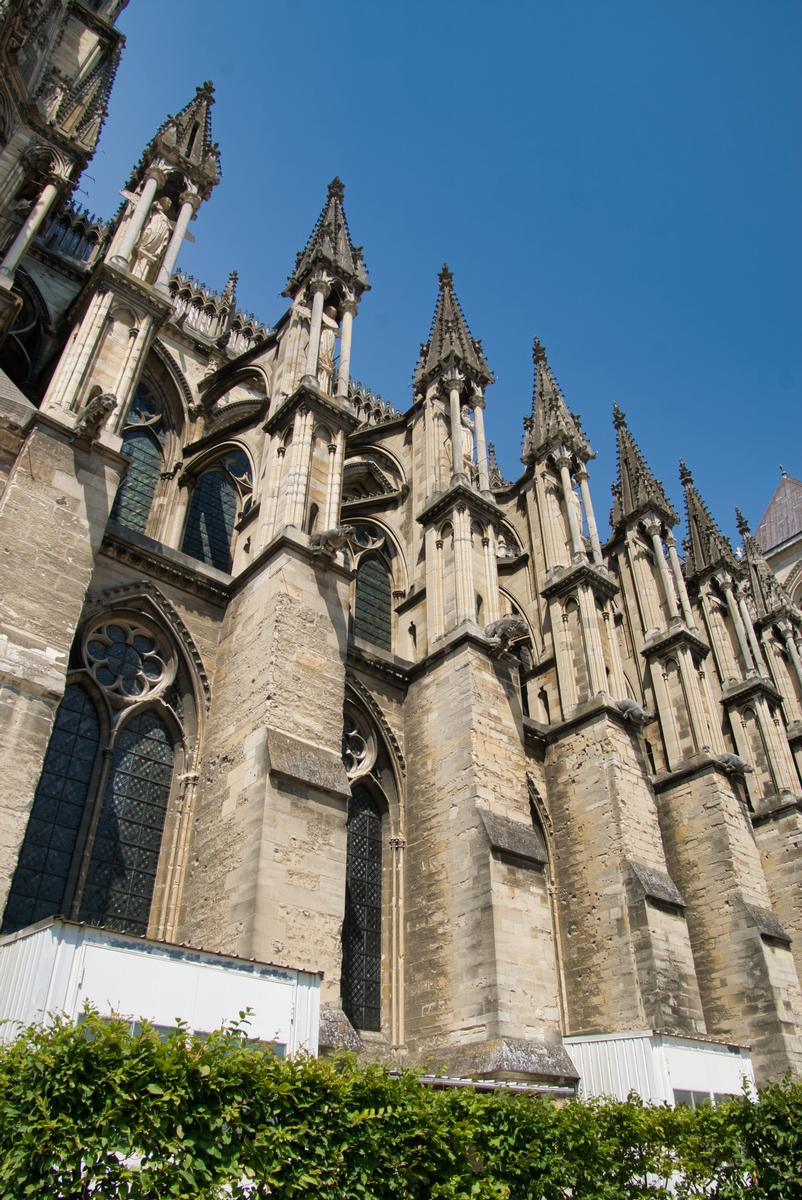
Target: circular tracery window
x,y
125,659
359,748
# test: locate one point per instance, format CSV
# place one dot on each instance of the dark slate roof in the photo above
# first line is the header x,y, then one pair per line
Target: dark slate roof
x,y
513,837
783,517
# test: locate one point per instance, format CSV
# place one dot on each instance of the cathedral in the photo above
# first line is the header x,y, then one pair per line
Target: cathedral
x,y
292,675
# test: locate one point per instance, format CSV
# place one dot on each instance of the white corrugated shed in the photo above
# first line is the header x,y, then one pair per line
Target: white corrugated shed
x,y
659,1067
59,966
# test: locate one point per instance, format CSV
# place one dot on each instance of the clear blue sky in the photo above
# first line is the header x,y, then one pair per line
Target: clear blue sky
x,y
622,178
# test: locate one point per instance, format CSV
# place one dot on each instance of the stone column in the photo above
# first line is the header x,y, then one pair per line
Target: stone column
x,y
577,545
337,454
746,617
590,517
26,233
137,222
491,575
679,580
190,203
729,595
617,678
456,427
481,444
653,530
298,482
346,333
793,650
463,565
320,287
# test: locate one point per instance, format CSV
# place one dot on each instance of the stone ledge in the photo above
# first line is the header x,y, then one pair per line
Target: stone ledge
x,y
656,885
336,1031
514,838
507,1058
306,763
767,924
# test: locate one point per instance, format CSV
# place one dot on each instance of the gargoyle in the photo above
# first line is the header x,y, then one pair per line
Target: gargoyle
x,y
633,712
94,416
504,632
329,541
733,764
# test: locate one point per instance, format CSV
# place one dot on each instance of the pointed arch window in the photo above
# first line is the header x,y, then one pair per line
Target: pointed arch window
x,y
39,885
92,845
143,444
125,850
219,493
361,978
373,604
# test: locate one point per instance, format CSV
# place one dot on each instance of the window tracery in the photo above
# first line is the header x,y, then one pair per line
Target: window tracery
x,y
222,490
143,444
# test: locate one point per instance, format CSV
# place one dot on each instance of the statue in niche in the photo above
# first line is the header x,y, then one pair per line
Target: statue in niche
x,y
152,242
328,340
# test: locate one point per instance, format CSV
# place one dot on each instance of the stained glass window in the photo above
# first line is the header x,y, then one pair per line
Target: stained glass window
x,y
125,853
213,509
373,607
361,980
142,445
40,880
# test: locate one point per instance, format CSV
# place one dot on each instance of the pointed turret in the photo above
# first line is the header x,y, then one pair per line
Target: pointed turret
x,y
450,343
551,424
636,490
771,598
184,143
705,545
331,249
495,477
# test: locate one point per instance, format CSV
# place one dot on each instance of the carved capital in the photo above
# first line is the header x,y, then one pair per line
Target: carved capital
x,y
190,198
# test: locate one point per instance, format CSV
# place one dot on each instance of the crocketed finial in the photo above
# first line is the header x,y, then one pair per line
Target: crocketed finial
x,y
685,477
538,352
619,416
445,277
743,524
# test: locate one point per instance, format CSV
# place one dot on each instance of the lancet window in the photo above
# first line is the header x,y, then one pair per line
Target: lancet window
x,y
143,445
91,848
373,613
221,491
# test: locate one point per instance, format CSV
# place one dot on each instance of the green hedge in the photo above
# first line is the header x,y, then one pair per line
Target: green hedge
x,y
91,1110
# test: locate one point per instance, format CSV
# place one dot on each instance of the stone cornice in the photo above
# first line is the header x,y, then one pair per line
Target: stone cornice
x,y
170,566
506,566
758,685
292,541
459,493
367,504
134,289
774,808
379,662
569,578
546,735
308,395
698,764
677,635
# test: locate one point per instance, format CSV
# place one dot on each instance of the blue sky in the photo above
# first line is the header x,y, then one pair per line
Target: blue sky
x,y
621,178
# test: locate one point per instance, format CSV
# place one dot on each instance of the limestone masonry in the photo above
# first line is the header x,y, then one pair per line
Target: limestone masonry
x,y
289,674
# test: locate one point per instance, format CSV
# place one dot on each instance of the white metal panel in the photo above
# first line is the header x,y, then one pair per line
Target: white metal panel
x,y
706,1066
617,1065
62,966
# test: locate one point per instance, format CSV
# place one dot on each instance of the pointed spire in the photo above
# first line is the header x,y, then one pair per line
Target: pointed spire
x,y
771,598
493,469
552,423
636,490
450,342
185,142
705,545
230,290
331,248
782,520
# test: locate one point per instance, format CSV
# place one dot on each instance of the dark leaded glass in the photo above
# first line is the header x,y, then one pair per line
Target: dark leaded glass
x,y
373,608
125,853
40,879
135,496
362,949
210,522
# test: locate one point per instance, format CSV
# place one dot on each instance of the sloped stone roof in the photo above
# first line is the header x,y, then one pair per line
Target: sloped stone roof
x,y
450,342
783,517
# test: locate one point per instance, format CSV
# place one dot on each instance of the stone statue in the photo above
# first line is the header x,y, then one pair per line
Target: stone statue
x,y
505,631
152,242
328,340
466,435
634,712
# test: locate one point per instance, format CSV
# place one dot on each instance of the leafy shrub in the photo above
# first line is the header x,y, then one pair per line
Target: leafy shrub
x,y
92,1110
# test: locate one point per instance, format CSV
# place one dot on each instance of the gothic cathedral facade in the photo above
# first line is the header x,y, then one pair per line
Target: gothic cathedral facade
x,y
291,674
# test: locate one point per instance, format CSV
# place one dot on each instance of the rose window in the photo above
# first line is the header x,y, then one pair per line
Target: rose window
x,y
125,659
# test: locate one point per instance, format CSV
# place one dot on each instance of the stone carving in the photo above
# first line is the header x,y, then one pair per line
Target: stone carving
x,y
633,712
152,242
325,358
94,417
504,632
733,764
330,541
